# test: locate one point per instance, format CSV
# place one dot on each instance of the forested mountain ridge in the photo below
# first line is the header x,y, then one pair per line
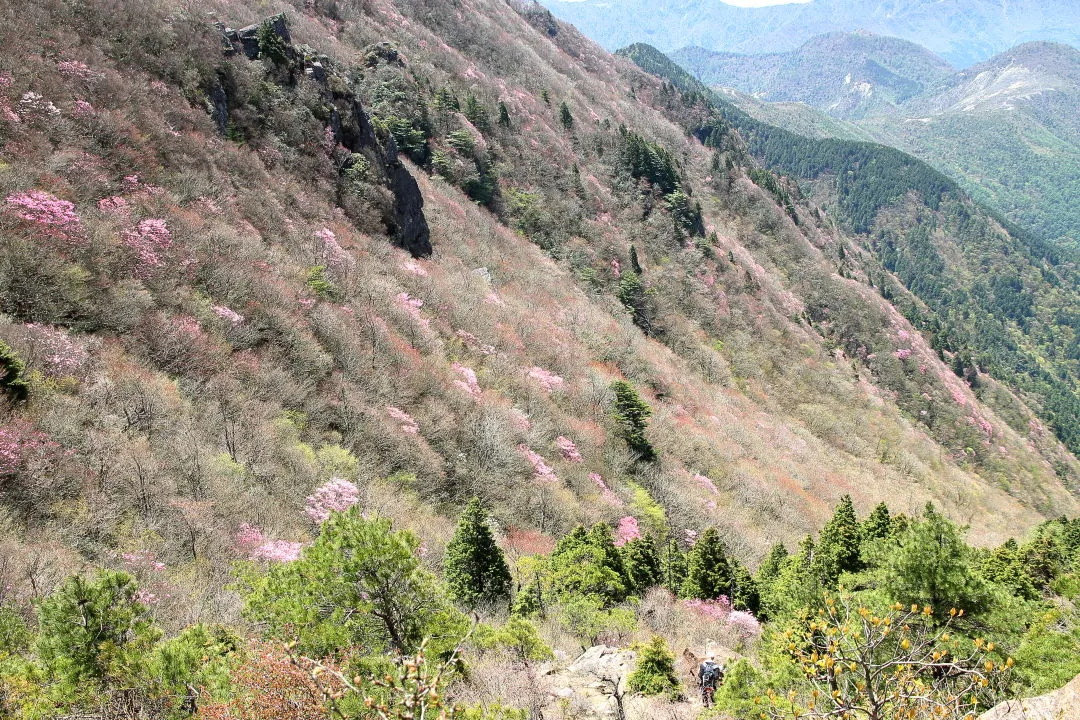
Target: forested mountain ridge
x,y
1004,129
279,302
963,32
994,296
848,75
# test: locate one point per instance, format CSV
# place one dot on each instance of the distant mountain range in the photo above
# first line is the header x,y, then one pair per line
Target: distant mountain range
x,y
963,32
1006,129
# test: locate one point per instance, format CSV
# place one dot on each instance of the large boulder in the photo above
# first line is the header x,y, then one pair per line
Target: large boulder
x,y
1062,704
348,122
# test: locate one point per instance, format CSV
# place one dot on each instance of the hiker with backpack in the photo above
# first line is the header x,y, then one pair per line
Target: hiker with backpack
x,y
710,676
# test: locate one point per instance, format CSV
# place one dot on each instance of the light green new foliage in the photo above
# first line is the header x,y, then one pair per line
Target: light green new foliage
x,y
359,584
655,671
94,631
518,636
476,572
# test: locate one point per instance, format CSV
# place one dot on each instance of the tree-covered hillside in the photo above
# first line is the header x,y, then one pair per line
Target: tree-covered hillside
x,y
364,360
992,297
1005,130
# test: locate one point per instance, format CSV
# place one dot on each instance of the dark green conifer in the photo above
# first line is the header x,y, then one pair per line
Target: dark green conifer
x,y
838,546
504,115
708,572
631,413
673,567
641,562
635,264
565,117
476,572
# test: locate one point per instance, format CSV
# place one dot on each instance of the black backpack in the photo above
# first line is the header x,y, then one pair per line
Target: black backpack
x,y
710,674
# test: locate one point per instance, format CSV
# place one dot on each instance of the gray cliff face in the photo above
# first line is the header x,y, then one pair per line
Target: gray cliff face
x,y
347,120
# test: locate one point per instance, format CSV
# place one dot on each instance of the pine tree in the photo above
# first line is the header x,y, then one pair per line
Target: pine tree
x,y
930,564
1004,567
641,562
632,413
565,117
635,264
744,590
673,567
708,572
91,630
878,525
655,672
476,572
476,113
768,574
838,546
504,115
545,96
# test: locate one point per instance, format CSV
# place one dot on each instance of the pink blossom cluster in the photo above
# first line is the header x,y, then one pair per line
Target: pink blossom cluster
x,y
415,268
187,325
408,424
546,379
58,352
473,341
468,381
149,239
336,495
412,306
250,540
720,610
248,537
626,531
903,353
958,397
277,551
226,313
145,597
616,268
33,104
57,217
159,87
115,205
706,483
982,423
689,536
74,69
142,559
333,255
6,81
520,420
492,298
605,492
542,471
82,109
568,449
20,443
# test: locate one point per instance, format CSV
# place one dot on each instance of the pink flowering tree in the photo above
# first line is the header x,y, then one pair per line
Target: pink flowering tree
x,y
541,470
335,496
149,240
546,379
408,424
568,449
49,215
228,314
52,350
606,493
467,382
23,447
706,483
626,531
250,541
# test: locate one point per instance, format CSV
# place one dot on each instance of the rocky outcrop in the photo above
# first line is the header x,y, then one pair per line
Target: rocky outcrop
x,y
346,118
1062,704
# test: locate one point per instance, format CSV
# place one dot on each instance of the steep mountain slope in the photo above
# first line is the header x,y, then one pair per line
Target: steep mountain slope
x,y
963,32
848,75
1006,129
218,296
994,295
